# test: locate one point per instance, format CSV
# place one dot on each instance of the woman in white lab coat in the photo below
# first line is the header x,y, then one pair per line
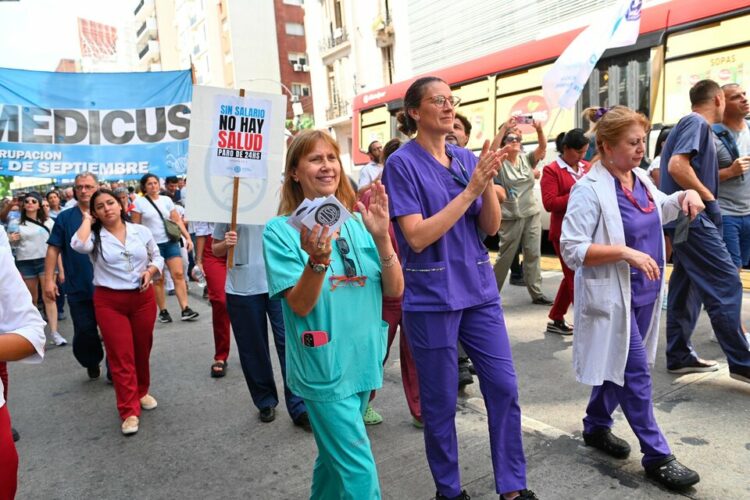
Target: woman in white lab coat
x,y
21,339
612,238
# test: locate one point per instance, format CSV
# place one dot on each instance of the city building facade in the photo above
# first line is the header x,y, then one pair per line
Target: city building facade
x,y
353,46
229,45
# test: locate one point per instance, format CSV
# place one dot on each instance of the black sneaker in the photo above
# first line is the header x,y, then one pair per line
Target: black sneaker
x,y
517,281
524,495
542,301
268,414
94,372
672,474
604,440
164,316
16,435
559,327
188,314
303,420
741,373
464,375
697,365
461,496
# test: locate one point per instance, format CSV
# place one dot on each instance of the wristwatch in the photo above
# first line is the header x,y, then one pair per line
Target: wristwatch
x,y
317,267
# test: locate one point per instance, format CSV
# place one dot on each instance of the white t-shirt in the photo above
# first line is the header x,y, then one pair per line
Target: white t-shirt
x,y
17,313
655,164
33,242
4,243
742,138
369,173
203,228
150,217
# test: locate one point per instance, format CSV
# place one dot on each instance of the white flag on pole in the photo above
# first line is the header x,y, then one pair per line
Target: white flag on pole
x,y
564,82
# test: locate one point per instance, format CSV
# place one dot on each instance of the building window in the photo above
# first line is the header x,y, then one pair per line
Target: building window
x,y
620,80
301,89
293,2
295,29
297,58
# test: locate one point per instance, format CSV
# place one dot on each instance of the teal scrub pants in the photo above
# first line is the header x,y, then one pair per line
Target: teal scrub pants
x,y
345,467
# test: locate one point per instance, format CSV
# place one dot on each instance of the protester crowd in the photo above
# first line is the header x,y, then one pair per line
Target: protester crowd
x,y
412,259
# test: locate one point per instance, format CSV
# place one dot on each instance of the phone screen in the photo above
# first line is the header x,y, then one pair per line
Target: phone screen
x,y
682,229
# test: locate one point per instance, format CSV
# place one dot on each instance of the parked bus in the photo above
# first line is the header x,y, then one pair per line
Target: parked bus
x,y
680,42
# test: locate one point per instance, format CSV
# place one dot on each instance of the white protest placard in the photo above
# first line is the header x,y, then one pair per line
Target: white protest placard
x,y
254,151
240,143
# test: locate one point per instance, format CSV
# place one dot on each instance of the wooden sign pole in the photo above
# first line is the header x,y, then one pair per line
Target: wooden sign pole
x,y
235,195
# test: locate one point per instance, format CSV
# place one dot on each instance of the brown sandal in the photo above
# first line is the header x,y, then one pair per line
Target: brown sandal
x,y
218,369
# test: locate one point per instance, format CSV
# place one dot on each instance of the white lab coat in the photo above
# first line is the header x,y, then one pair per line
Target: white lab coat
x,y
602,293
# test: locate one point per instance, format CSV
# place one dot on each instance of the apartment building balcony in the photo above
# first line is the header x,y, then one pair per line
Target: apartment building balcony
x,y
338,41
149,53
148,30
340,110
383,31
143,10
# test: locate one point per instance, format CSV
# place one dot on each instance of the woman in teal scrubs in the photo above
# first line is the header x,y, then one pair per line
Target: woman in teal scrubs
x,y
333,283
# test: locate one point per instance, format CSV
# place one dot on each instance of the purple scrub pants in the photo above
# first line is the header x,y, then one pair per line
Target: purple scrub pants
x,y
481,329
634,397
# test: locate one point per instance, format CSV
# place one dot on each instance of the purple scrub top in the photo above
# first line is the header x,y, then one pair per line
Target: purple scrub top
x,y
455,272
643,233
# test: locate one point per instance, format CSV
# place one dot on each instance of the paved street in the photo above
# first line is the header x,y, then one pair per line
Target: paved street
x,y
205,440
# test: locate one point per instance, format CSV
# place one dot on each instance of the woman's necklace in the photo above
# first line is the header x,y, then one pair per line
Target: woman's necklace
x,y
629,195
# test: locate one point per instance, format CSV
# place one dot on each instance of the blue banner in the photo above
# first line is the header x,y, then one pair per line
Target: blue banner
x,y
116,125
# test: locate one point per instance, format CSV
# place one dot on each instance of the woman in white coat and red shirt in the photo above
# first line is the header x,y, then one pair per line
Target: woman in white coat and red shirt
x,y
21,338
612,238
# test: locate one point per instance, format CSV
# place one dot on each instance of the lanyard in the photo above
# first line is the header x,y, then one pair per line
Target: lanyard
x,y
464,179
629,195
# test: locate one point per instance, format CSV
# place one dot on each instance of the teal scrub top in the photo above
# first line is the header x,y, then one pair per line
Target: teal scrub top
x,y
351,315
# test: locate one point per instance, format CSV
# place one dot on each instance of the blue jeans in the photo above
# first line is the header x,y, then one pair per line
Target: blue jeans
x,y
247,313
737,237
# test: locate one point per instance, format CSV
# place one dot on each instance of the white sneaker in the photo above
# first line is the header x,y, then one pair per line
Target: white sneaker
x,y
130,425
59,339
148,402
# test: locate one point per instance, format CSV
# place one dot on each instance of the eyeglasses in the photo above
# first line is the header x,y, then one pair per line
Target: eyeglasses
x,y
512,138
337,281
441,100
31,200
350,277
349,270
86,187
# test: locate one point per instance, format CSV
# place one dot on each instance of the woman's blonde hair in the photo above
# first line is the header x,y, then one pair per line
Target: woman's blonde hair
x,y
612,126
291,190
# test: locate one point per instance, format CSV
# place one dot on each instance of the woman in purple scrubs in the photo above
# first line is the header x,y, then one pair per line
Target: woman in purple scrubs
x,y
443,200
612,238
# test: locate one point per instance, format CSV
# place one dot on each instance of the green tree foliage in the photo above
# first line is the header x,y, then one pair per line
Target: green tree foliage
x,y
5,185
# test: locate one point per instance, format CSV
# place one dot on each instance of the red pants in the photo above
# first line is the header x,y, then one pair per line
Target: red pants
x,y
564,296
392,316
216,277
8,458
126,320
